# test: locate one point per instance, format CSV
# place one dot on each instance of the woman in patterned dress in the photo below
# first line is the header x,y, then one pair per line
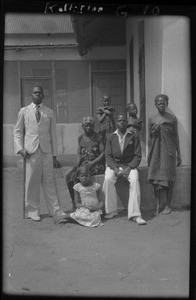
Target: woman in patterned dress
x,y
162,158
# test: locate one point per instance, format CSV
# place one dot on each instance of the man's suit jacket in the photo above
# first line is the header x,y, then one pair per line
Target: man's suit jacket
x,y
131,155
29,134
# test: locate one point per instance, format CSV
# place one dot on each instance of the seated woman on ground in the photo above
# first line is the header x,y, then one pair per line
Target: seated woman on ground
x,y
87,201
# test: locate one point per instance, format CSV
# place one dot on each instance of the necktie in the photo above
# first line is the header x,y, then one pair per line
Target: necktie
x,y
37,113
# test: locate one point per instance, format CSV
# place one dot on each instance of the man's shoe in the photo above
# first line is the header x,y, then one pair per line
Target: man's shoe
x,y
138,220
111,215
34,218
60,213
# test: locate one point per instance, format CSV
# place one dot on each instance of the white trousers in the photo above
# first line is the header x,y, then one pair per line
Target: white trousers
x,y
40,172
111,195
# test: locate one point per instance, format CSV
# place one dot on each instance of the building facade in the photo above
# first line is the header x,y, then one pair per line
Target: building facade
x,y
77,59
47,54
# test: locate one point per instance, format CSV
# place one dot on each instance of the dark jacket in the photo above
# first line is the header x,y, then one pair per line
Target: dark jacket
x,y
131,155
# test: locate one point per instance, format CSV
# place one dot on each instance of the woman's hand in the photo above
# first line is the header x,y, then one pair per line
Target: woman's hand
x,y
179,160
78,205
92,208
155,129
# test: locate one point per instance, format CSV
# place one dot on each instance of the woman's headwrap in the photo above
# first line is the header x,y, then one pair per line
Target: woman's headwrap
x,y
87,120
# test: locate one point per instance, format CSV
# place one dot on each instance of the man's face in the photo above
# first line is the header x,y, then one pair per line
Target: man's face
x,y
122,122
37,95
132,109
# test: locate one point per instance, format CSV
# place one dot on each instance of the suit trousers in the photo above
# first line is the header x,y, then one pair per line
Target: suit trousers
x,y
40,173
111,195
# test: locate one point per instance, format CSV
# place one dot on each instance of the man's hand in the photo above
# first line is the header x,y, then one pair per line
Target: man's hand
x,y
125,172
117,172
56,163
24,153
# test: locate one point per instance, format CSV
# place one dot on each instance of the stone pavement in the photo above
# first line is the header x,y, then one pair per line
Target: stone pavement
x,y
119,258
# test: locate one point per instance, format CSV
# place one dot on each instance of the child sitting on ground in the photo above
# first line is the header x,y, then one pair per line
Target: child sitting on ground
x,y
134,123
87,201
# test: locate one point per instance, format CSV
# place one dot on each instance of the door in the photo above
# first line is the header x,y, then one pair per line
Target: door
x,y
27,85
112,84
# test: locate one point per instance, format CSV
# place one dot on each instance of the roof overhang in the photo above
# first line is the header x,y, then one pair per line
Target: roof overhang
x,y
91,31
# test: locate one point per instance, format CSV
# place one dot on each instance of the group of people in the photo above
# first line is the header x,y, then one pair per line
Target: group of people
x,y
114,151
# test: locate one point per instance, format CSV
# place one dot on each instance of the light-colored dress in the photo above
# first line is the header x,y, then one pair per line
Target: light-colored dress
x,y
88,196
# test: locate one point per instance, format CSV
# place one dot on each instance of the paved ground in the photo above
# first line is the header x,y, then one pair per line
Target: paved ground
x,y
118,259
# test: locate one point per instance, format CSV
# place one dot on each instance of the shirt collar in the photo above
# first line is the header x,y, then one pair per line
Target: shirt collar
x,y
116,132
34,105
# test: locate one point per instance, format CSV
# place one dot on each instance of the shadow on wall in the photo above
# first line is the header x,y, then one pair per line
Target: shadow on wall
x,y
185,140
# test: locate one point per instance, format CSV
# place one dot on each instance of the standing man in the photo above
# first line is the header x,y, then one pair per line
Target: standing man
x,y
35,139
123,155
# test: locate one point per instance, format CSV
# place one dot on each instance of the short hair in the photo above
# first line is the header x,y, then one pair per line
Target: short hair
x,y
38,86
106,96
121,114
161,96
130,104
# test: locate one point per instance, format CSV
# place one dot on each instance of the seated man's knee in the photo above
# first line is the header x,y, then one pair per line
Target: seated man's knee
x,y
109,179
133,175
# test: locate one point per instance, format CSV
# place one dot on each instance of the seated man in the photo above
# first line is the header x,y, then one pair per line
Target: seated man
x,y
123,155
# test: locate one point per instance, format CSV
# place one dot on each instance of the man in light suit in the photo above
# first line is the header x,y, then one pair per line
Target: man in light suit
x,y
35,139
123,155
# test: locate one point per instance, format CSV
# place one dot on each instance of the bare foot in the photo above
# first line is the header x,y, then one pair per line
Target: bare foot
x,y
167,210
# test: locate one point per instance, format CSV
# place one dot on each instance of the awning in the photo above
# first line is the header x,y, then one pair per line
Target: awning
x,y
91,31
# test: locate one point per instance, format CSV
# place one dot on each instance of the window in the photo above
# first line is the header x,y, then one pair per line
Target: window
x,y
10,92
72,94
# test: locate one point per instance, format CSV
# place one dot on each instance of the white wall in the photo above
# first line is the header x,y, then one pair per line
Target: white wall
x,y
176,80
153,61
167,70
132,31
